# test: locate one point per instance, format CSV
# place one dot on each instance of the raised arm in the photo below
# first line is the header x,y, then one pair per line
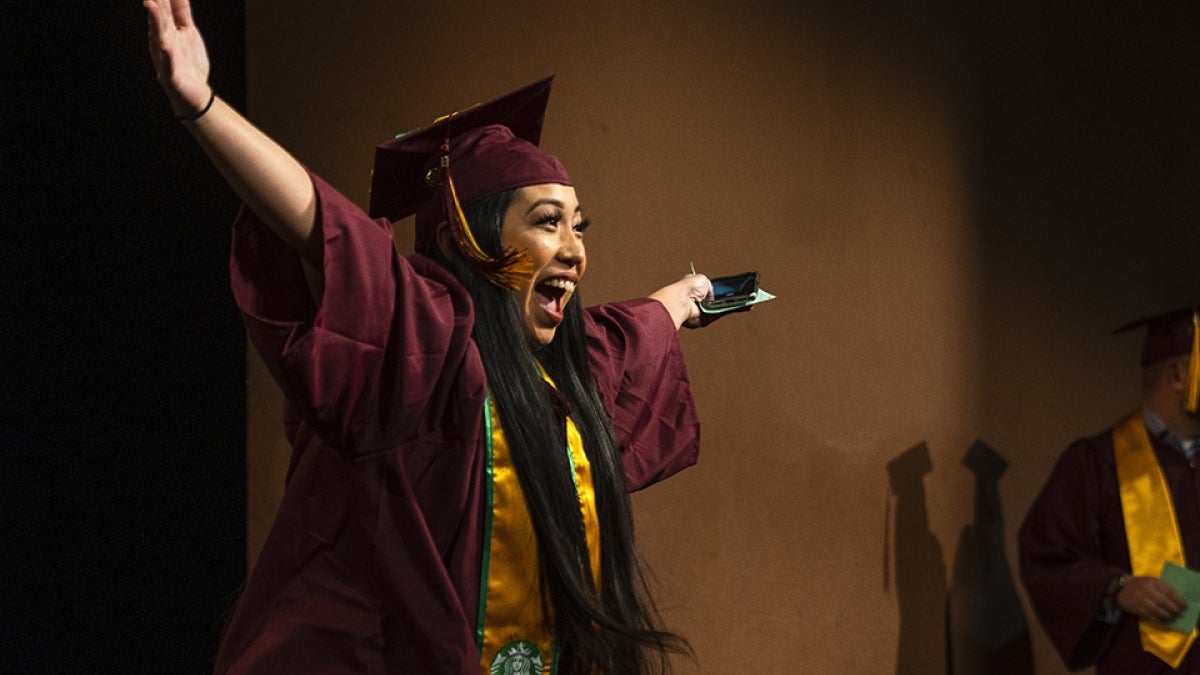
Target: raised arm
x,y
268,179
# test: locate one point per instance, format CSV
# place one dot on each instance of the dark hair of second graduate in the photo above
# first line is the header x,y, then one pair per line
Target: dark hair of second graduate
x,y
616,631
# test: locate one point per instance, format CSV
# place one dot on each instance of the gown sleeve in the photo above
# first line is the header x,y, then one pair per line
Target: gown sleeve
x,y
1064,561
364,365
638,366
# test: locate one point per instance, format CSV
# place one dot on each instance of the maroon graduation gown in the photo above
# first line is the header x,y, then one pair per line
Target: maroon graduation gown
x,y
1072,543
373,562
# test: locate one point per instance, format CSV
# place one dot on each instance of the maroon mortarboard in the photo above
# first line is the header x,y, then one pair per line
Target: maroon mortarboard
x,y
460,158
1172,333
1168,334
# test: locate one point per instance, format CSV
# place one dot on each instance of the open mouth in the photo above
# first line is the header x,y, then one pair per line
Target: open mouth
x,y
552,295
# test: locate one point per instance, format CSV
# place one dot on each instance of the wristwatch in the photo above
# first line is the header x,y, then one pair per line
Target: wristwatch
x,y
1114,587
1112,610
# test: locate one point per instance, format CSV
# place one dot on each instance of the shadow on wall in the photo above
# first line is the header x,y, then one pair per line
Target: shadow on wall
x,y
988,632
920,573
977,626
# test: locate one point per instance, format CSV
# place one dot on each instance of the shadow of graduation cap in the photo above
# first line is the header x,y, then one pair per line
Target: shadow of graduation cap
x,y
1170,334
909,467
436,170
984,461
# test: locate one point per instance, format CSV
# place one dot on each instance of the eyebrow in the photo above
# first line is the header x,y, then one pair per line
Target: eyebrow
x,y
551,202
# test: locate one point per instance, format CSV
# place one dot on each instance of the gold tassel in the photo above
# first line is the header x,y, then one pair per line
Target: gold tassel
x,y
1193,390
508,271
463,234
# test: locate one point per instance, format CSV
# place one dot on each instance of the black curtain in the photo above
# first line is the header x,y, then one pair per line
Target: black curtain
x,y
122,425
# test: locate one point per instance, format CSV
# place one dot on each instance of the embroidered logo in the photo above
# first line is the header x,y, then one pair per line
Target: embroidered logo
x,y
517,658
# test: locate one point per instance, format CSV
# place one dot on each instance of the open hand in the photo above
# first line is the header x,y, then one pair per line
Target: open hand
x,y
178,53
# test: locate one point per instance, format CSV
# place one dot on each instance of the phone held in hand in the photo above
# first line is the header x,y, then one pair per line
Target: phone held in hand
x,y
732,291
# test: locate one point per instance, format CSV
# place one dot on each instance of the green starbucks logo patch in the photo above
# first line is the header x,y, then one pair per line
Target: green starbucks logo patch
x,y
517,658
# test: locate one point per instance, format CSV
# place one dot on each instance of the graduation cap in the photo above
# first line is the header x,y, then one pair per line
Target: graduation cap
x,y
1169,334
460,158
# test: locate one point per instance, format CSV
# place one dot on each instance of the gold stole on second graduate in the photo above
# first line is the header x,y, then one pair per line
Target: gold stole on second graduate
x,y
1150,526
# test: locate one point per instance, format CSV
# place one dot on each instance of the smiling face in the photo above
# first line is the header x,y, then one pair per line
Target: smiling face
x,y
546,223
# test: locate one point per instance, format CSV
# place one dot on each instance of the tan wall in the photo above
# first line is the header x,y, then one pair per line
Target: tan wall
x,y
919,189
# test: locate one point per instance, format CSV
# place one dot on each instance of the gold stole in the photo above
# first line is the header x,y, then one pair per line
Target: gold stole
x,y
512,633
1150,526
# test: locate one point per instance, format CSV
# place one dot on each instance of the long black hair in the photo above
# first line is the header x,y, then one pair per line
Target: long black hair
x,y
614,630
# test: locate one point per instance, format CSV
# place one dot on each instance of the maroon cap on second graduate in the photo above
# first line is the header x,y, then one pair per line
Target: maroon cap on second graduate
x,y
492,148
1167,334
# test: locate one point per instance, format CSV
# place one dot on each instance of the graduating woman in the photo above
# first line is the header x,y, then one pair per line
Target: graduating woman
x,y
464,434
